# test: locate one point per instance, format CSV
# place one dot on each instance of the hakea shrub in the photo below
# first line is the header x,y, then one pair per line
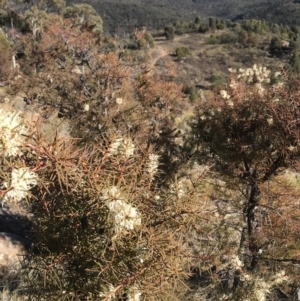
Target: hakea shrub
x,y
250,132
251,120
111,209
71,70
105,225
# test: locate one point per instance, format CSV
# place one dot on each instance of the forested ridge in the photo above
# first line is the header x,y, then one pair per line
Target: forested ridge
x,y
123,14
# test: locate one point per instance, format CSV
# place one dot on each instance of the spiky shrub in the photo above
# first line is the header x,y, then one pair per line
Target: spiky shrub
x,y
105,224
111,209
250,133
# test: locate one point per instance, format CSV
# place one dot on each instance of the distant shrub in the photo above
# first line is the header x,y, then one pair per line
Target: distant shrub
x,y
227,38
213,40
217,79
212,23
191,92
182,52
149,38
197,20
221,24
170,32
88,15
276,46
203,28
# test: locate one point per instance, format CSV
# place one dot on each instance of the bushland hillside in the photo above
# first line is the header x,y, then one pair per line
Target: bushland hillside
x,y
159,165
124,15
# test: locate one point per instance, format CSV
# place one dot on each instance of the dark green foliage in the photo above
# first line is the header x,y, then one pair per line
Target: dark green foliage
x,y
256,26
197,20
227,38
203,28
143,43
295,44
247,39
149,38
275,79
84,14
169,32
232,37
191,92
295,63
276,46
182,52
242,37
275,28
212,23
296,29
180,28
221,24
213,40
217,79
122,16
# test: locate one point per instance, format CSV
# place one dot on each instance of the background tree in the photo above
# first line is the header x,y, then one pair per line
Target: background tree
x,y
169,32
295,63
197,20
84,15
203,28
220,24
295,44
212,23
276,46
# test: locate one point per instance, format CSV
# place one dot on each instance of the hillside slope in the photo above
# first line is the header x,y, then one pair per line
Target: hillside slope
x,y
121,16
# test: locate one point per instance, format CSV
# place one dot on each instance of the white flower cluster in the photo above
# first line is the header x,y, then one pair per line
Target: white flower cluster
x,y
178,189
226,297
133,294
109,293
224,94
152,164
119,100
22,180
270,120
278,74
256,74
236,262
86,107
263,288
12,128
126,217
111,194
122,147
